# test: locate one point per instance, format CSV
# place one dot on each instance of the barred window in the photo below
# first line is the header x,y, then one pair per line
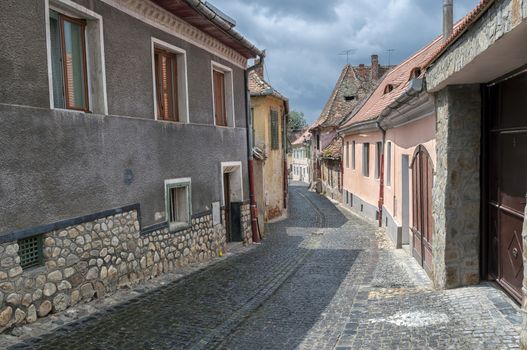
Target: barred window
x,y
30,252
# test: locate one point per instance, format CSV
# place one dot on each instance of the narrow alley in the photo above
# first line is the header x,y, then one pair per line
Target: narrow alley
x,y
322,279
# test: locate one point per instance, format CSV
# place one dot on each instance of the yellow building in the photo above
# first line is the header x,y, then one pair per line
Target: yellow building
x,y
269,110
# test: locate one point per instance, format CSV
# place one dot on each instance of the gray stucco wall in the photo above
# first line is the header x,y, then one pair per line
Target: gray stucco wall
x,y
23,60
128,56
57,165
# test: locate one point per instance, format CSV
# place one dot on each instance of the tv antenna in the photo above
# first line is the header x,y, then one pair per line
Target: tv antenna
x,y
390,55
347,53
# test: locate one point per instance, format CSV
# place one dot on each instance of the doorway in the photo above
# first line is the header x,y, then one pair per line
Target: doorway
x,y
422,222
506,171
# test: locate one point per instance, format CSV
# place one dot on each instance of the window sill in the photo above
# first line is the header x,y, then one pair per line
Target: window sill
x,y
34,271
175,227
170,121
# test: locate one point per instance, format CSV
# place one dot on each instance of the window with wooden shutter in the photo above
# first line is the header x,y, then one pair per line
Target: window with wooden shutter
x,y
220,113
274,130
166,72
366,159
68,62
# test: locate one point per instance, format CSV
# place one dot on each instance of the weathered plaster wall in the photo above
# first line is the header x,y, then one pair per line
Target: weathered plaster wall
x,y
456,191
61,164
273,167
500,19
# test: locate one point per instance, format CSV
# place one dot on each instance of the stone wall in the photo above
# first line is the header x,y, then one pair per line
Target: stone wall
x,y
94,258
456,191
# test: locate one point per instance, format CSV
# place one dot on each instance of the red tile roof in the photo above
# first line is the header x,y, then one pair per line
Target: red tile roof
x,y
259,87
333,150
356,79
300,140
460,28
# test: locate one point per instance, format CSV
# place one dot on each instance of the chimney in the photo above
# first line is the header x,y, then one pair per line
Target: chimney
x,y
448,18
374,67
259,67
362,70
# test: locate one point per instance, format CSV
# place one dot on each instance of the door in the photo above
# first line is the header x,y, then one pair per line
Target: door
x,y
227,201
422,223
507,185
405,198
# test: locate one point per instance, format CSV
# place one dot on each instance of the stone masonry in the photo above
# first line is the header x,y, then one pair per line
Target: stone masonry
x,y
95,258
456,192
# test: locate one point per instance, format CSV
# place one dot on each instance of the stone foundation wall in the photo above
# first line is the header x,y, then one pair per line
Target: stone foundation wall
x,y
456,191
94,258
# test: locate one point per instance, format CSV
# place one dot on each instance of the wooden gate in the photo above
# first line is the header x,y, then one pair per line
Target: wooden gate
x,y
422,222
506,180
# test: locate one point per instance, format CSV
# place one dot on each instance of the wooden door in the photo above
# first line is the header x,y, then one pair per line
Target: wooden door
x,y
507,185
422,223
227,201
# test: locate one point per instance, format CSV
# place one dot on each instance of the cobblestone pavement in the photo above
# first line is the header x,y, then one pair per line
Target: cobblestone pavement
x,y
322,279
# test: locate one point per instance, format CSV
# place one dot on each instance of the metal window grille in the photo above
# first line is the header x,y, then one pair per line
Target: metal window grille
x,y
30,252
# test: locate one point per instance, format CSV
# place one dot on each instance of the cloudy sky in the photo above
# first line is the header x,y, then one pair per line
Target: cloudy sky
x,y
303,38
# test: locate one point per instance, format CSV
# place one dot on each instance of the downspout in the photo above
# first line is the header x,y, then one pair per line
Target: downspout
x,y
250,158
381,174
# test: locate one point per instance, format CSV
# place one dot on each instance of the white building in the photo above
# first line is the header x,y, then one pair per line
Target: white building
x,y
300,169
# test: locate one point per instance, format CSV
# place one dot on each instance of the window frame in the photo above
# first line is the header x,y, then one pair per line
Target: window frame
x,y
366,159
388,164
182,79
95,65
378,158
353,158
347,154
171,184
228,89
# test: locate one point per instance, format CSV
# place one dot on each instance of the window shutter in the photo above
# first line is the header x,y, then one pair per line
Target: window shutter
x,y
219,98
274,129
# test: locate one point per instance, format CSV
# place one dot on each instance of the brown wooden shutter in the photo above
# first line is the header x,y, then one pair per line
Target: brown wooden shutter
x,y
274,130
166,85
220,114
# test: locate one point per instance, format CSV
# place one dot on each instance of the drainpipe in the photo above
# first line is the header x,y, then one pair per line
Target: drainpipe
x,y
381,174
250,141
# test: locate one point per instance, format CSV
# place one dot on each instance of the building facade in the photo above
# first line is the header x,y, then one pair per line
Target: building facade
x,y
353,85
102,106
301,158
269,110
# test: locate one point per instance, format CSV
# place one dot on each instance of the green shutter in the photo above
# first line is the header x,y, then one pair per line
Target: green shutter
x,y
274,129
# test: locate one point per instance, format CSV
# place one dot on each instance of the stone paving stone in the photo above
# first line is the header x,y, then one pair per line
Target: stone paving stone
x,y
322,279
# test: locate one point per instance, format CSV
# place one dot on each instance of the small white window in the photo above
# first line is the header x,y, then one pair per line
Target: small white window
x,y
169,69
178,203
222,95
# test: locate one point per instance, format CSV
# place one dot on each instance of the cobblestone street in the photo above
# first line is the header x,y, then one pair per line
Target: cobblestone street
x,y
321,279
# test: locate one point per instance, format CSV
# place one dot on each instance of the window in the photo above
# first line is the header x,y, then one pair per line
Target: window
x,y
68,62
366,159
389,164
177,202
223,95
166,85
388,88
170,82
347,154
75,56
252,127
378,159
275,143
353,155
30,252
318,142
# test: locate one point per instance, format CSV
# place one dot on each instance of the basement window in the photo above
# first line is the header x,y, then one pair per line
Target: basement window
x,y
30,252
178,203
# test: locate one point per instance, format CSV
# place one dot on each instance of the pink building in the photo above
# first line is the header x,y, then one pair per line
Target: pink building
x,y
389,156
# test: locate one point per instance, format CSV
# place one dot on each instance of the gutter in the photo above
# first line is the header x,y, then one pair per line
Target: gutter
x,y
250,159
227,27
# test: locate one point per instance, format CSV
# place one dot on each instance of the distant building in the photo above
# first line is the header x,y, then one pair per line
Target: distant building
x,y
269,110
353,85
301,158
